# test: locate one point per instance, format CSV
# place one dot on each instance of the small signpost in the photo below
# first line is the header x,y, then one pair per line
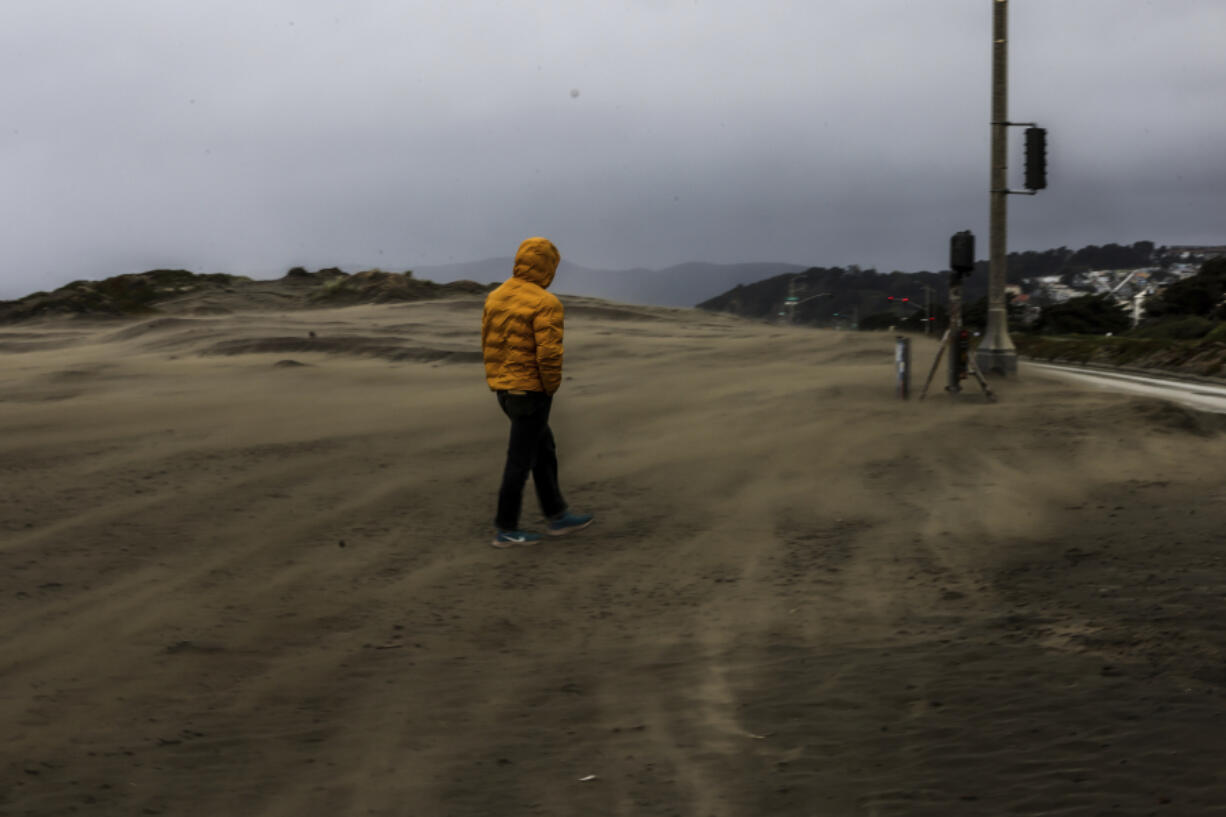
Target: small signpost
x,y
902,357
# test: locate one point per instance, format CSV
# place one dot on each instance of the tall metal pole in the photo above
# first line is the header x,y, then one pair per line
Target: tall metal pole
x,y
997,353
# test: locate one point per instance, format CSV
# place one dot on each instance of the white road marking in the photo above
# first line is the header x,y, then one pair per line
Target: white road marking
x,y
1202,396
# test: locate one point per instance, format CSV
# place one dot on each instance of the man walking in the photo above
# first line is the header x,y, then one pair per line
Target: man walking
x,y
521,341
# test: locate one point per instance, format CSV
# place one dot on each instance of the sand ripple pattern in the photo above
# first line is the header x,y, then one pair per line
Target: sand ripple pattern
x,y
232,587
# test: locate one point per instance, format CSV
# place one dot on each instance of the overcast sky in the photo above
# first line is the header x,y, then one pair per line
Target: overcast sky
x,y
249,137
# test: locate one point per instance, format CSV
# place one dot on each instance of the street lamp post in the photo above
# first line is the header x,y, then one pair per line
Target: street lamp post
x,y
997,353
793,299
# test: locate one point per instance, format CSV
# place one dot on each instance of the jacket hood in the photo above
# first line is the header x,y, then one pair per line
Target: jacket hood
x,y
536,261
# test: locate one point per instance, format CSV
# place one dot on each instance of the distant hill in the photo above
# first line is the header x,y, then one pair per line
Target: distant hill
x,y
182,291
838,295
683,285
756,290
831,296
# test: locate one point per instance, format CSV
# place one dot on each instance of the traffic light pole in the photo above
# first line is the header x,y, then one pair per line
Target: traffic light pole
x,y
997,354
956,340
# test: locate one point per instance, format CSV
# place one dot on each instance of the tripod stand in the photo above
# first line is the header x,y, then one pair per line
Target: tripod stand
x,y
962,260
955,368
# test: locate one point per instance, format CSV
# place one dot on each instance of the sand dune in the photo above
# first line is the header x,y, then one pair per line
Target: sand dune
x,y
229,586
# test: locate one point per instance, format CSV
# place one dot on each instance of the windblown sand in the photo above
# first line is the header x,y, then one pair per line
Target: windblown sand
x,y
232,585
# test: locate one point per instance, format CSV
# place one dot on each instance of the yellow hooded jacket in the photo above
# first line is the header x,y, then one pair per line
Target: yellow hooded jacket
x,y
521,327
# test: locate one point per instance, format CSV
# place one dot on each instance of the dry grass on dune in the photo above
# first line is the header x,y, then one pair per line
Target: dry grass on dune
x,y
233,586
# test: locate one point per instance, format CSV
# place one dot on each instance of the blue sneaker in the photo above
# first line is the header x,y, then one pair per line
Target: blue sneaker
x,y
567,522
514,538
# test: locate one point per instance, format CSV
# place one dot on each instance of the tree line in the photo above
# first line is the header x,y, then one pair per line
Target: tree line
x,y
1187,309
843,296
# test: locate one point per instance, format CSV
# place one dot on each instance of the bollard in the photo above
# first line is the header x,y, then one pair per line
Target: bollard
x,y
902,357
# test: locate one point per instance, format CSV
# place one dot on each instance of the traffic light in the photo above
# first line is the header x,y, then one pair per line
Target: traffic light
x,y
961,255
1036,158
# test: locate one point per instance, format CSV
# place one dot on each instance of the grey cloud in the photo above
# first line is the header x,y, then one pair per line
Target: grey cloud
x,y
251,137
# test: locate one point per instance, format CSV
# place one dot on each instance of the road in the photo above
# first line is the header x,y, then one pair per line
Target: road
x,y
1202,396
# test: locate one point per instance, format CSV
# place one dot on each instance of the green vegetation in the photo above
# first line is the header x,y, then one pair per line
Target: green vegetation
x,y
1189,309
863,294
1203,295
122,295
1184,329
1116,351
142,293
1181,327
1200,357
1088,315
377,286
372,286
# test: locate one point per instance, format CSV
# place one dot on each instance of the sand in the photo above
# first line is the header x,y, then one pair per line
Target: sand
x,y
232,584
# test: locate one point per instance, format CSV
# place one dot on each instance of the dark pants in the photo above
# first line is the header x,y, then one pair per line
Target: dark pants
x,y
531,451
